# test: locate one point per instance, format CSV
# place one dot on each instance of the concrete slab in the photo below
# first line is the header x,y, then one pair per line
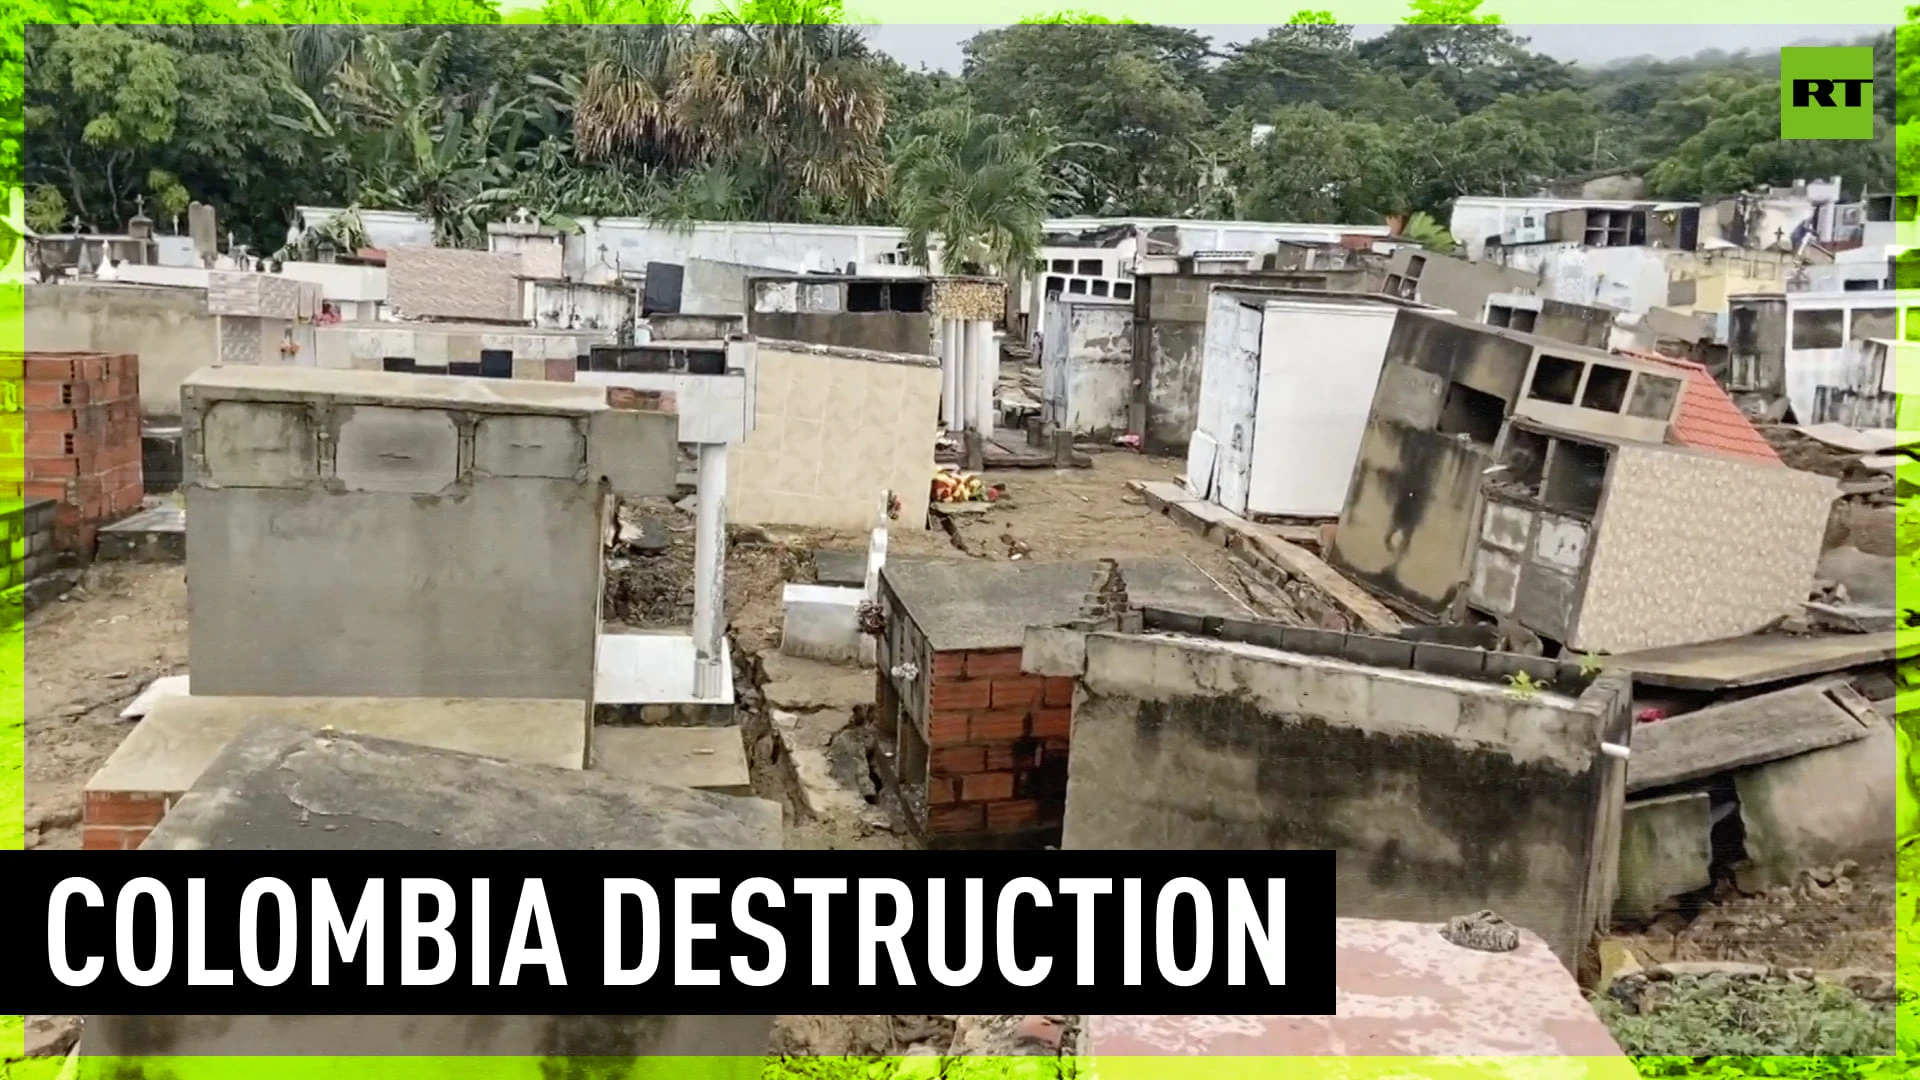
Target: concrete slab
x,y
156,535
1666,849
181,736
839,567
822,622
1749,731
800,684
166,686
647,669
1403,990
1763,658
989,605
280,787
808,765
702,758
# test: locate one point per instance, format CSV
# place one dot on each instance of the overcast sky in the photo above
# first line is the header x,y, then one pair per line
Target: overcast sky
x,y
939,46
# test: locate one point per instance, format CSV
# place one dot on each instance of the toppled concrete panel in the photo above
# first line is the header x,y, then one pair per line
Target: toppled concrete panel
x,y
1750,731
287,788
181,735
1666,850
1403,990
1819,808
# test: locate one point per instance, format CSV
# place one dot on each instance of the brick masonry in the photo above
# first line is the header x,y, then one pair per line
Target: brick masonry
x,y
121,820
81,443
997,746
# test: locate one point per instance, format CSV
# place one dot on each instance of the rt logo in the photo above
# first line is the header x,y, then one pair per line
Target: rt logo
x,y
1826,93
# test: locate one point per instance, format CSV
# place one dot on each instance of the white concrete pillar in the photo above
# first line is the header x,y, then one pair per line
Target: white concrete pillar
x,y
950,366
963,376
986,360
709,571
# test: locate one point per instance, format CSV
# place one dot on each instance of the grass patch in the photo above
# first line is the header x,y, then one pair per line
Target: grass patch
x,y
1744,1017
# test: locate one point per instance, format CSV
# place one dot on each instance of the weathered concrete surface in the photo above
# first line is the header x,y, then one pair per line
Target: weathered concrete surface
x,y
1763,658
1403,990
182,735
703,758
165,1047
365,533
822,622
1408,523
1666,849
168,328
285,788
156,535
1748,731
983,605
1441,795
805,750
799,684
1819,808
839,567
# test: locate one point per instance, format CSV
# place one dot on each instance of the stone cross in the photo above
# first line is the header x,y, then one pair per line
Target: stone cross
x,y
139,205
77,224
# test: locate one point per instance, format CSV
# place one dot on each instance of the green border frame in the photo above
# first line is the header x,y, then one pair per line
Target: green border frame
x,y
17,13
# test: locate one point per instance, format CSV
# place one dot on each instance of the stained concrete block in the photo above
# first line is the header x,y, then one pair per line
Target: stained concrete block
x,y
253,444
637,452
1054,652
413,451
292,788
822,622
545,447
1666,849
702,758
1819,808
182,735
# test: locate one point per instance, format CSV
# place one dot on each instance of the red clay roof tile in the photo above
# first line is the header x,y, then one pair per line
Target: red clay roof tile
x,y
1708,419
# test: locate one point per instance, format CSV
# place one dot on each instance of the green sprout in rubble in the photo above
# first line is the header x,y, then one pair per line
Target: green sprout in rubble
x,y
1524,685
1590,664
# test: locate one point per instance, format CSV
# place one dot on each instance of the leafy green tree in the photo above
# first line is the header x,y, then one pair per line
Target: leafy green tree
x,y
1107,89
105,105
1316,165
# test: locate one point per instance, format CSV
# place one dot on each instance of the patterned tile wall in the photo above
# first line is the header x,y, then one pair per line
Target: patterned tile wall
x,y
830,434
1691,548
450,283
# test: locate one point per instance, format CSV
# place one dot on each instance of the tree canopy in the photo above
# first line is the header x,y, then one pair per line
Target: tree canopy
x,y
777,110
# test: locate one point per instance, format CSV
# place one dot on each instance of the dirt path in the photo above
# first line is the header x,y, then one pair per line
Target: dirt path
x,y
86,657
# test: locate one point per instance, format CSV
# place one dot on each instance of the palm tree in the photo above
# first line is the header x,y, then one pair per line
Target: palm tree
x,y
794,111
979,185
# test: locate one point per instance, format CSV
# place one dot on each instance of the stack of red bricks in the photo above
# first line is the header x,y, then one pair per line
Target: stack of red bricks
x,y
83,440
121,820
997,746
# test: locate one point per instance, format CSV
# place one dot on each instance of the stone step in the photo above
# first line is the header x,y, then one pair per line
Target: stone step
x,y
703,758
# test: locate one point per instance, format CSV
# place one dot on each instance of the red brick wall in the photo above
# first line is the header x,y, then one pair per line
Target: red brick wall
x,y
121,820
997,745
82,442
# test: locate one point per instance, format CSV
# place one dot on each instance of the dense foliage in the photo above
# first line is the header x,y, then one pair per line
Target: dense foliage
x,y
772,112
